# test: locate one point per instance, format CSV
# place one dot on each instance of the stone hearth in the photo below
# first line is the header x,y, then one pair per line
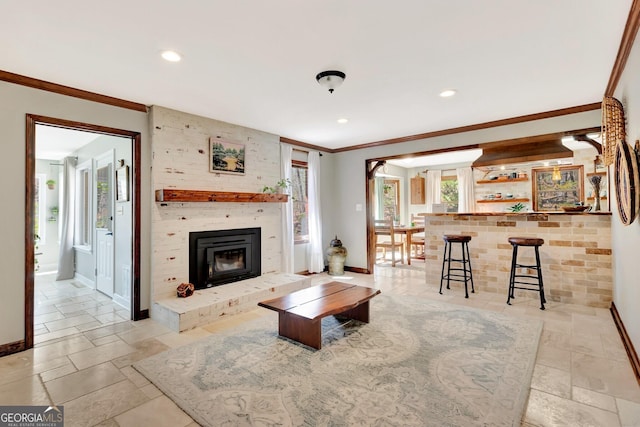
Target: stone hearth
x,y
208,305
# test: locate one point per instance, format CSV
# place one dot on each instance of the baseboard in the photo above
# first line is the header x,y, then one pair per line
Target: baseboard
x,y
357,270
12,347
121,301
84,280
628,345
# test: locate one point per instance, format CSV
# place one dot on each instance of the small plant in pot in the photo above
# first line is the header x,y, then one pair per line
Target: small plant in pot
x,y
51,184
280,187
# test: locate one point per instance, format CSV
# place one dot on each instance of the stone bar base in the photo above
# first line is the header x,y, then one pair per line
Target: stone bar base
x,y
576,255
208,305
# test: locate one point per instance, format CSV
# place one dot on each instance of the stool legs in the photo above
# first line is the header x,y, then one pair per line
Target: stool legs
x,y
444,259
467,275
513,276
542,298
473,290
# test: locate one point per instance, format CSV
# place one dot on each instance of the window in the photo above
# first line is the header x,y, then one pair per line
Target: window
x,y
391,199
449,192
82,236
300,201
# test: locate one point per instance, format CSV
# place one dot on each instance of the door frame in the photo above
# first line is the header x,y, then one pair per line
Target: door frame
x,y
31,120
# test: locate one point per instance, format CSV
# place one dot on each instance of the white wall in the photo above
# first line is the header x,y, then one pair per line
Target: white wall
x,y
349,170
626,239
48,246
15,102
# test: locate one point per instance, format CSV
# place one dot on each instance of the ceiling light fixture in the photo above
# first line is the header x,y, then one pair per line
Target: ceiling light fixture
x,y
331,79
343,121
171,56
447,93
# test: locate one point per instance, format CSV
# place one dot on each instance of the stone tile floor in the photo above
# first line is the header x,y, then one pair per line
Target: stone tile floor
x,y
582,376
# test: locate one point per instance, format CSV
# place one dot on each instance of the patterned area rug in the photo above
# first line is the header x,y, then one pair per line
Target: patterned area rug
x,y
418,363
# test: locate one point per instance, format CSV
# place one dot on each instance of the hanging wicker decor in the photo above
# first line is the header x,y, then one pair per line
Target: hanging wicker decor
x,y
627,179
612,127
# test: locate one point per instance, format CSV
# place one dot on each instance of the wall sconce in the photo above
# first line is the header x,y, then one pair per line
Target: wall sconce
x,y
555,175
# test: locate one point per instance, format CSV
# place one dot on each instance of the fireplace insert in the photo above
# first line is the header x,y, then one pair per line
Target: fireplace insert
x,y
223,256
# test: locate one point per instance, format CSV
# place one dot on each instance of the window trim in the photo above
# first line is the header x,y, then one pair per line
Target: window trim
x,y
85,167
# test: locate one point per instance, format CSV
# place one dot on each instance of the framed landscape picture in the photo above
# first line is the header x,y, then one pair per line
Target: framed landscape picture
x,y
226,157
551,194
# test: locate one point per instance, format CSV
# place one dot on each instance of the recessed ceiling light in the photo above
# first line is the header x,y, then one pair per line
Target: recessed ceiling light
x,y
171,56
447,93
343,121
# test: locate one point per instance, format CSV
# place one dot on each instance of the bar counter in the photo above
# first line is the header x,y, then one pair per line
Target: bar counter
x,y
575,257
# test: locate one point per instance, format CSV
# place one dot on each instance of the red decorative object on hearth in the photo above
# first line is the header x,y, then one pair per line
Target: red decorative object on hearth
x,y
185,290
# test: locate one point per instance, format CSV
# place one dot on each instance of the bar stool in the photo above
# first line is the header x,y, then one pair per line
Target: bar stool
x,y
531,286
465,268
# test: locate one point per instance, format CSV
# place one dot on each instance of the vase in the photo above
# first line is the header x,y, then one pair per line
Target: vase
x,y
596,206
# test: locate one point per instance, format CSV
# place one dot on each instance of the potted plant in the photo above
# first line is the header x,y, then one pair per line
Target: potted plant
x,y
282,185
279,188
51,184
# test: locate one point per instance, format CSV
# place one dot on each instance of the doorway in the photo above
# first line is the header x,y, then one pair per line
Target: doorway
x,y
81,235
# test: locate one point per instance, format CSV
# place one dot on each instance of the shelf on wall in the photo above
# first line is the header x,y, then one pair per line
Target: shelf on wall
x,y
502,181
601,198
178,196
505,200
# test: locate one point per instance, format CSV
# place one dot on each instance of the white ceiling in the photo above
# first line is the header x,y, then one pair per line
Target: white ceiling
x,y
253,63
54,143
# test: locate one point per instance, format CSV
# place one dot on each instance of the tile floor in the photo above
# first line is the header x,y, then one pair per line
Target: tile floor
x,y
582,376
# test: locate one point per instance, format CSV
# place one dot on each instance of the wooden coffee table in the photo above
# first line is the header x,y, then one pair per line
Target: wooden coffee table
x,y
300,313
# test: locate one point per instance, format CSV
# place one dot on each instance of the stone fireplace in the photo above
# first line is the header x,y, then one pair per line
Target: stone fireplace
x,y
218,257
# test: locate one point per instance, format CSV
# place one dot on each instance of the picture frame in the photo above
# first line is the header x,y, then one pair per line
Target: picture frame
x,y
550,195
122,184
226,157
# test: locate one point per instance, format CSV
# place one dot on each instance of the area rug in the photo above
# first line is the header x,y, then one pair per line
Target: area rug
x,y
418,363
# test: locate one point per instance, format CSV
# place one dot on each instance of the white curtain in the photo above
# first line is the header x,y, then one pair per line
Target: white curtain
x,y
67,216
315,252
466,195
433,188
287,215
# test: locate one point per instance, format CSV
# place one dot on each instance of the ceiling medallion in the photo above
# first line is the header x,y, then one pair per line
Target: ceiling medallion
x,y
330,79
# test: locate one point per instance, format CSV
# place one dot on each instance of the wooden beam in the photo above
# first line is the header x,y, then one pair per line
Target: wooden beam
x,y
70,91
186,196
626,44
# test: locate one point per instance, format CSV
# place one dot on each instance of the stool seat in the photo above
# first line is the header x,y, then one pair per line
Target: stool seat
x,y
463,273
526,241
456,238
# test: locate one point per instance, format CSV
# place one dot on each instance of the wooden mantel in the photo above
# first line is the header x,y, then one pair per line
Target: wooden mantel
x,y
177,196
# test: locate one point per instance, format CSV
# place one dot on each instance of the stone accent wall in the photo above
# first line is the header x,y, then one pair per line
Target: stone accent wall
x,y
575,257
181,156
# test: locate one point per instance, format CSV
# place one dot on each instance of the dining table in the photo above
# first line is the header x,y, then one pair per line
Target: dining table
x,y
407,231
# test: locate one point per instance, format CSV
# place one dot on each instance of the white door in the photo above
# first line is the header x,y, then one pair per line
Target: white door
x,y
104,247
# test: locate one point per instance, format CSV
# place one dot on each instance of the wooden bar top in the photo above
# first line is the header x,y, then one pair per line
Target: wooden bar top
x,y
453,214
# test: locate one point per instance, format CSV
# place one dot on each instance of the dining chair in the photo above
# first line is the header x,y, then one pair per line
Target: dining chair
x,y
387,240
417,239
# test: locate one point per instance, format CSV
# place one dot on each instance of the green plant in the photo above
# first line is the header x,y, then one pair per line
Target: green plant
x,y
51,184
518,207
280,186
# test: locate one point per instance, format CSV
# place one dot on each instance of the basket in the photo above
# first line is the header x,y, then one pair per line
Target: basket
x,y
612,127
